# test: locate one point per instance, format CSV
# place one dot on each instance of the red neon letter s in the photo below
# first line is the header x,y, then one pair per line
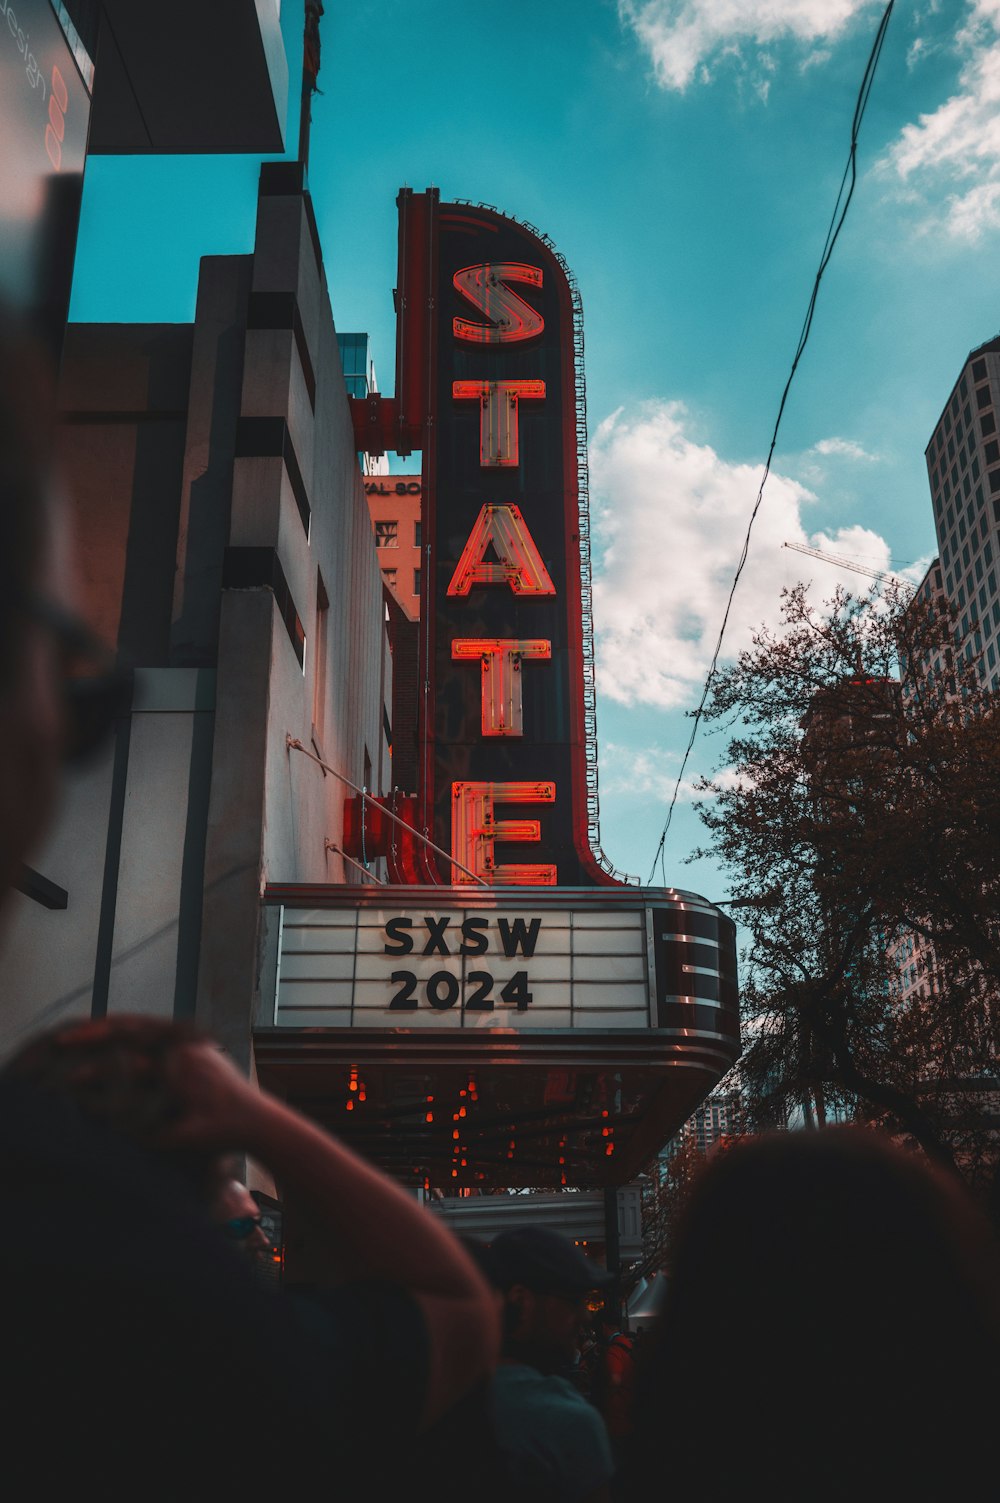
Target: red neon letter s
x,y
510,317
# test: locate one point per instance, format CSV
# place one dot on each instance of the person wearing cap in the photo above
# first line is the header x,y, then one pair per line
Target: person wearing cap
x,y
554,1442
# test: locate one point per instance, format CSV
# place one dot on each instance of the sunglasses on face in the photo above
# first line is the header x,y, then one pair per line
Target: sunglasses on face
x,y
241,1227
93,700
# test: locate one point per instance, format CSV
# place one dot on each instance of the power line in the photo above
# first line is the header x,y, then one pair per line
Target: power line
x,y
844,195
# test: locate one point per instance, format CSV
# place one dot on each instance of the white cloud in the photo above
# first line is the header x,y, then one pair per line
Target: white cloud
x,y
644,771
684,37
670,515
843,448
950,159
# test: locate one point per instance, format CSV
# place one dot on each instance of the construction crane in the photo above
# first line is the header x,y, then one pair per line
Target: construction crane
x,y
850,563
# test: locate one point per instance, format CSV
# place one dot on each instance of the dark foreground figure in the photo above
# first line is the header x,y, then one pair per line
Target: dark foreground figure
x,y
831,1332
141,1359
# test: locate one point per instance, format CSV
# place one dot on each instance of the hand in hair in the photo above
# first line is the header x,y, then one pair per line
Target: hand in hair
x,y
217,1108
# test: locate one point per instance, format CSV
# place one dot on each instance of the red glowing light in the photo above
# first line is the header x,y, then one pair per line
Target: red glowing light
x,y
498,420
510,318
501,659
520,564
475,831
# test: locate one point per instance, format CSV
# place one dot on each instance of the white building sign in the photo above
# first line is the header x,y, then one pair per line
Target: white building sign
x,y
504,966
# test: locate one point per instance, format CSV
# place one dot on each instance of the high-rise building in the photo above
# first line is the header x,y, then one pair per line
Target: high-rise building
x,y
963,467
717,1117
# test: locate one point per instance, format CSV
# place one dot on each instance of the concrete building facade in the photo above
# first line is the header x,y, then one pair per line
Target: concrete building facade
x,y
227,552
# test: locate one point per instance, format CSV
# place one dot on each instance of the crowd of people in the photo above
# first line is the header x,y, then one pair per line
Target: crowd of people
x,y
831,1324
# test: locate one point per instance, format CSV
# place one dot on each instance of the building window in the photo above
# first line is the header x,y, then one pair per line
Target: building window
x,y
416,581
389,575
320,654
983,397
992,452
979,370
988,423
386,534
995,480
416,535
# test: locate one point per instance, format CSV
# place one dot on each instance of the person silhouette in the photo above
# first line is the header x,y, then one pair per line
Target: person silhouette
x,y
830,1329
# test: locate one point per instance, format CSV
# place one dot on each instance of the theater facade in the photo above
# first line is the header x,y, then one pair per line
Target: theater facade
x,y
496,1005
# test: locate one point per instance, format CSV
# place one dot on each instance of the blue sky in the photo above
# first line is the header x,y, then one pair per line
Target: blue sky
x,y
685,156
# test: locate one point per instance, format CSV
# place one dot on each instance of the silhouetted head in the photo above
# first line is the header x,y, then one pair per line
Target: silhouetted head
x,y
545,1281
30,704
831,1307
115,1071
60,687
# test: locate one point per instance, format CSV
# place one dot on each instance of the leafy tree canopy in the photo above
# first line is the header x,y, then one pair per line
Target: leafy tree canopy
x,y
859,804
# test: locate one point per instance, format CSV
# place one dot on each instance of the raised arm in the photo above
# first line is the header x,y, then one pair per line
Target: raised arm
x,y
375,1228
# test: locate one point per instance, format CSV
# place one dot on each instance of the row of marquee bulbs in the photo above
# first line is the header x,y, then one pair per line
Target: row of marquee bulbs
x,y
356,1092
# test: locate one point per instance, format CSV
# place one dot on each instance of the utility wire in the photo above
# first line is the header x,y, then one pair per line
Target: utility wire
x,y
844,196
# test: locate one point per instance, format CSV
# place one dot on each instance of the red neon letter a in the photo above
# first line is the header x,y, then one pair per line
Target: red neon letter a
x,y
520,563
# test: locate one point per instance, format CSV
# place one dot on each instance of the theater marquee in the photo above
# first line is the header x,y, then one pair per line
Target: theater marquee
x,y
411,960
